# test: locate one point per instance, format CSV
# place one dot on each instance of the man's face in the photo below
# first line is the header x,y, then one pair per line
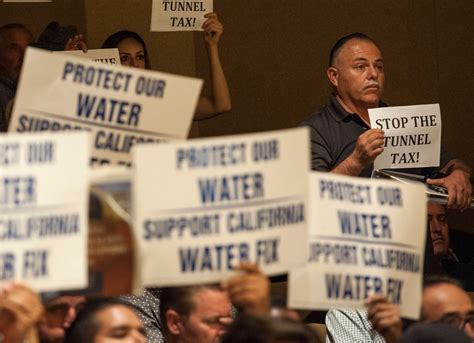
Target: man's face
x,y
13,43
208,321
358,74
119,323
58,316
439,229
449,304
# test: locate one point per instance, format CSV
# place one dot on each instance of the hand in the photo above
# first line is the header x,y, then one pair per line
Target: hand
x,y
459,188
213,29
368,146
76,43
20,308
385,317
250,290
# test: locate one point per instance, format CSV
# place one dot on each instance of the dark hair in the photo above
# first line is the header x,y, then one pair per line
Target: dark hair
x,y
113,40
85,326
179,299
434,280
15,26
342,41
260,329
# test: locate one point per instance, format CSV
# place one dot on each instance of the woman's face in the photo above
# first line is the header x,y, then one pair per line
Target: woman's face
x,y
132,53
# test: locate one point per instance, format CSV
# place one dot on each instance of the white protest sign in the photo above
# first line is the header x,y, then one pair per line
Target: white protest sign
x,y
412,136
365,237
121,106
103,56
175,15
43,210
201,207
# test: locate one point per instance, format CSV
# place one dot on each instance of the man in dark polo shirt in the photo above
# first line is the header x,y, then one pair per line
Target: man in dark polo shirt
x,y
342,140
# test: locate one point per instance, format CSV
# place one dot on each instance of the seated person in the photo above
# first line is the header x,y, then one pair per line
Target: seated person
x,y
104,320
133,53
60,312
443,300
202,311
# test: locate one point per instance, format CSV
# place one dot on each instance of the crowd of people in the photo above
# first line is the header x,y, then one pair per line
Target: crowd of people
x,y
239,309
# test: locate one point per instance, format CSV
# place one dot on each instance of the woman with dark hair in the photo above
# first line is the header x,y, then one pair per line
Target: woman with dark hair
x,y
103,320
133,53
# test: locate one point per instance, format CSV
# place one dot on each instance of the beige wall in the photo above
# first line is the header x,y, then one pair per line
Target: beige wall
x,y
37,15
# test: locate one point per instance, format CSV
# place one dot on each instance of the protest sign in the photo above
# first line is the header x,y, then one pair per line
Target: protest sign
x,y
201,207
103,56
365,237
175,15
412,136
43,210
120,106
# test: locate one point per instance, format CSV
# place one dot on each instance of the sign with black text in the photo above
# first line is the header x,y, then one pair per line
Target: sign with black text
x,y
121,106
43,210
103,56
365,237
176,15
203,206
412,136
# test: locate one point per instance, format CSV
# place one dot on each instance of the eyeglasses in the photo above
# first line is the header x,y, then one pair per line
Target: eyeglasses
x,y
458,321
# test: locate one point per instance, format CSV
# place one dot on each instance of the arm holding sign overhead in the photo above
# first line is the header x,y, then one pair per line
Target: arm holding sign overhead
x,y
20,309
385,318
219,100
457,182
249,291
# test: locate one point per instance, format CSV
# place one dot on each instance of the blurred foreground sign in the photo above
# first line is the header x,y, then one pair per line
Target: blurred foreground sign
x,y
205,205
120,106
366,237
43,210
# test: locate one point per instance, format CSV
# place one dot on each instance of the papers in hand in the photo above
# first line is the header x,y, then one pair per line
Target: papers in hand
x,y
436,194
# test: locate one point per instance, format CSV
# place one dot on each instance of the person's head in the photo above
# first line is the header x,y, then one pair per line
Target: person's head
x,y
439,229
59,314
356,71
14,38
445,301
278,309
259,329
106,320
194,313
132,48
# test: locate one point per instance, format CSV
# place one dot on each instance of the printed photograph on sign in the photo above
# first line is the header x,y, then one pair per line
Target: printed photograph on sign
x,y
120,106
103,56
175,15
43,239
206,205
412,136
366,237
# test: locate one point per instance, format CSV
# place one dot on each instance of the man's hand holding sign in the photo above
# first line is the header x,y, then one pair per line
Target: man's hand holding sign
x,y
412,139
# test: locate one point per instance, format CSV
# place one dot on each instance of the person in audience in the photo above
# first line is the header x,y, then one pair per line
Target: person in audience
x,y
342,139
60,312
53,38
434,333
20,310
443,301
133,53
202,311
14,38
265,329
105,320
